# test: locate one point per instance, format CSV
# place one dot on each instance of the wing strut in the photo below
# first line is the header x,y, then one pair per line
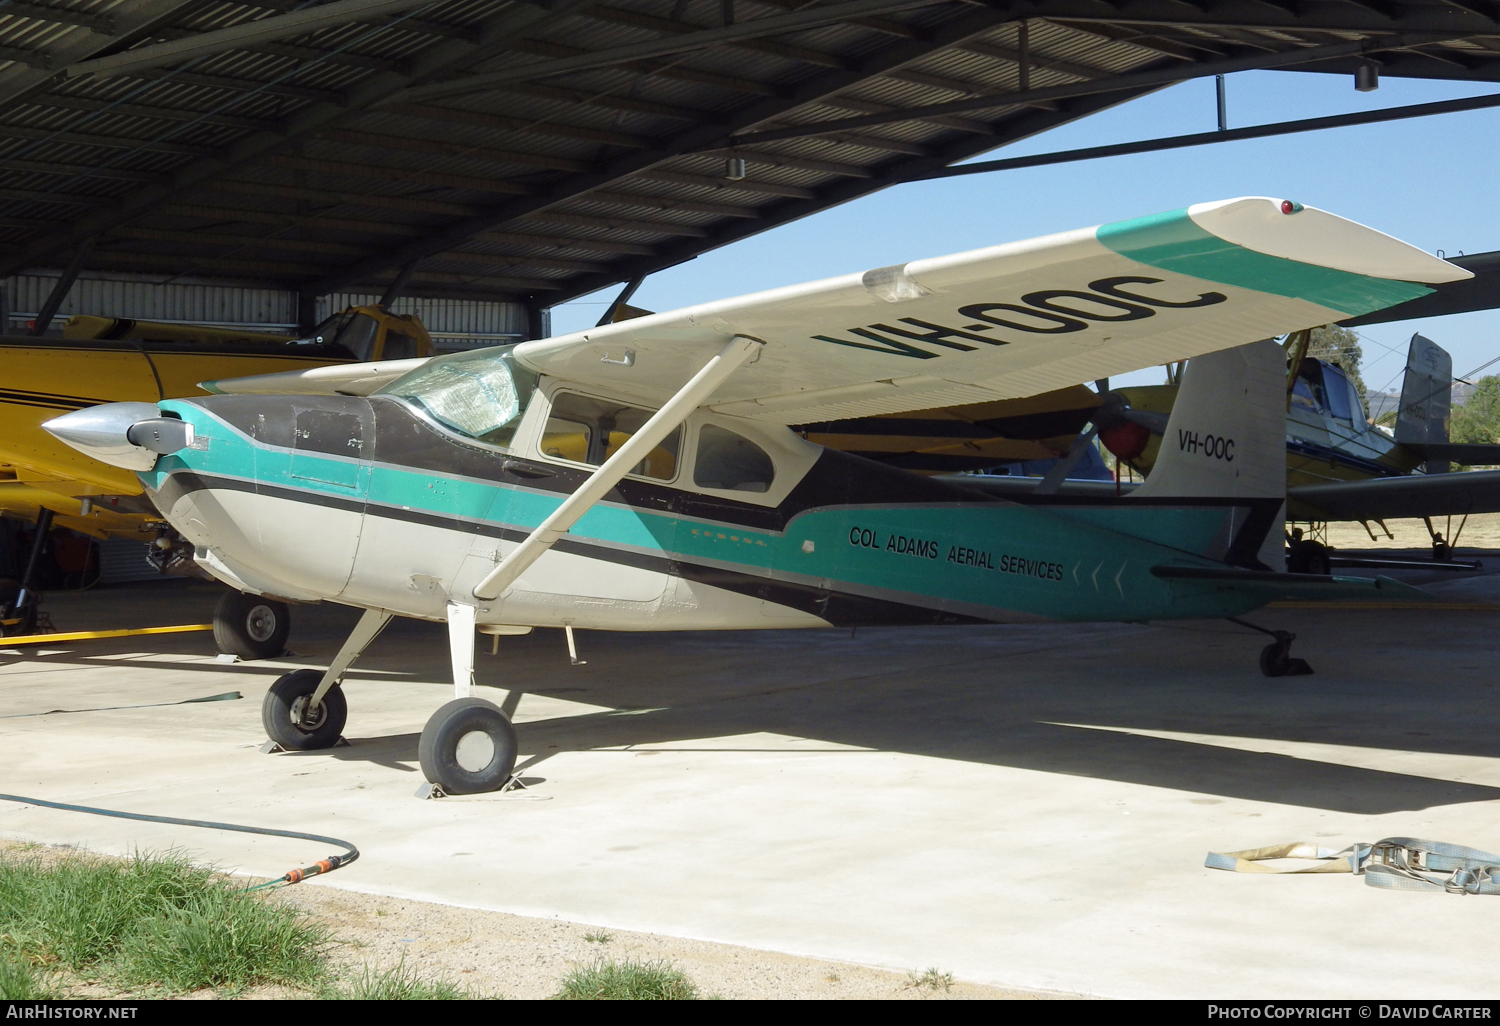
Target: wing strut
x,y
666,420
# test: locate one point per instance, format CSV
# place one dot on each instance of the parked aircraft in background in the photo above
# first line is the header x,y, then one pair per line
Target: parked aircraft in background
x,y
642,475
1339,465
105,359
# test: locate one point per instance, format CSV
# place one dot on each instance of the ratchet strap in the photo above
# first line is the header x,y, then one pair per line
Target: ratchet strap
x,y
1395,863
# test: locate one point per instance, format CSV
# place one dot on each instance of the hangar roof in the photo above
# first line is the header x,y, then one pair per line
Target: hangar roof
x,y
536,150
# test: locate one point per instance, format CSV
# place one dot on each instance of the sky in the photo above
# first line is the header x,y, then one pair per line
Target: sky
x,y
1429,181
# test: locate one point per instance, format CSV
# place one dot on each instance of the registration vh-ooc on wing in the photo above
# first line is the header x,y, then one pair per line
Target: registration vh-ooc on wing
x,y
642,475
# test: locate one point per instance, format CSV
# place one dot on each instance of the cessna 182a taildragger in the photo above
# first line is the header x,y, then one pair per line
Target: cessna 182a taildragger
x,y
641,475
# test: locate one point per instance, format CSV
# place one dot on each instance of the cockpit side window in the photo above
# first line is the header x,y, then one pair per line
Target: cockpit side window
x,y
588,430
731,461
398,346
480,394
1308,391
1336,387
358,334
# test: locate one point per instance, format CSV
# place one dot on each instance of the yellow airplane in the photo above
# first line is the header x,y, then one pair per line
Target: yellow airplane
x,y
103,360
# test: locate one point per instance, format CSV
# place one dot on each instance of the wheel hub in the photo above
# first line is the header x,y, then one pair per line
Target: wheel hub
x,y
308,717
475,751
260,623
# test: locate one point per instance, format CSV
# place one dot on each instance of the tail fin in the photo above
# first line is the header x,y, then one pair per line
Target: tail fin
x,y
1426,398
1226,439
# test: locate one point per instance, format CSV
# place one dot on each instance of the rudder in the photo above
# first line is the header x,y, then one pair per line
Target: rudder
x,y
1226,439
1426,398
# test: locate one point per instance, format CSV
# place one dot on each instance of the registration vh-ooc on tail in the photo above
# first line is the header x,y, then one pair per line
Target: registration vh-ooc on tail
x,y
642,475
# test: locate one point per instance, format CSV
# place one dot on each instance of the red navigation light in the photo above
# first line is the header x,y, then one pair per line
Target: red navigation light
x,y
1289,207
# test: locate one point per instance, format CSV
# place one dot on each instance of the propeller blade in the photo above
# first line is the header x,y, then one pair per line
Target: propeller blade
x,y
1059,472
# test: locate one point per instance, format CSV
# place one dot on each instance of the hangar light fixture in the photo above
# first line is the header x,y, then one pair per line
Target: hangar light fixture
x,y
1367,78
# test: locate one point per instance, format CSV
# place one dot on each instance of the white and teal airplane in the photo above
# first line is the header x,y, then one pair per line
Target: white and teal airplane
x,y
642,475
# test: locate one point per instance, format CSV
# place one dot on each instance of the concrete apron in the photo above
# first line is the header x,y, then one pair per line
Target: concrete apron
x,y
1021,806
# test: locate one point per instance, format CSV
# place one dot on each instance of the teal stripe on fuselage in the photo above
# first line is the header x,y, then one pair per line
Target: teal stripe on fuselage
x,y
968,558
1173,241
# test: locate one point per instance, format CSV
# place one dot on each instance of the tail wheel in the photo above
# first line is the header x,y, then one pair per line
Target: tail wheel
x,y
251,627
291,720
468,747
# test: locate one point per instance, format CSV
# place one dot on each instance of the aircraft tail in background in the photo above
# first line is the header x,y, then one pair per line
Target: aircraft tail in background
x,y
1426,399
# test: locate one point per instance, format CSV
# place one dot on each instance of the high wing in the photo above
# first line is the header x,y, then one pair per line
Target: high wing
x,y
1014,320
1385,498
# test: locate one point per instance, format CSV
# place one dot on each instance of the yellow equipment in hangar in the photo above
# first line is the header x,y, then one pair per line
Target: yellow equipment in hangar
x,y
108,359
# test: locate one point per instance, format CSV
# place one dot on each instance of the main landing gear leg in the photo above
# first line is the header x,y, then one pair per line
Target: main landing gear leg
x,y
305,709
468,746
1276,659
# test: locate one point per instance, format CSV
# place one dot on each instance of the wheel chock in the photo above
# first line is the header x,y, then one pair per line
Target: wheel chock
x,y
428,790
271,747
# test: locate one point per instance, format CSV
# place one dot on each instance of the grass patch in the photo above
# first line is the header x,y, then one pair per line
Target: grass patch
x,y
395,984
601,937
153,922
930,979
608,980
20,980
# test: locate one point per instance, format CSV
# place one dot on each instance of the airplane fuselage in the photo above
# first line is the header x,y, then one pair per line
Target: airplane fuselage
x,y
369,503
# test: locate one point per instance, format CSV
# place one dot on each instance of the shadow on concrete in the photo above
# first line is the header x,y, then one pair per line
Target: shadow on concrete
x,y
1394,680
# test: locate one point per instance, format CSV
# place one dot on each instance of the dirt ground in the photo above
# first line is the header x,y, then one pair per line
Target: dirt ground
x,y
1482,531
498,955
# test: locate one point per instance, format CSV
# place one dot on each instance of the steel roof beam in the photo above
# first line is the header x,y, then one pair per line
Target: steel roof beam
x,y
48,167
1117,83
1251,14
690,140
274,242
202,44
776,24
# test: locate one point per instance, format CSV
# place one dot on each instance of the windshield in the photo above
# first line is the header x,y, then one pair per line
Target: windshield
x,y
479,394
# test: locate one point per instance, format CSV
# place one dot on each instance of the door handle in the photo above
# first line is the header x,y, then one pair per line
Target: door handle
x,y
525,470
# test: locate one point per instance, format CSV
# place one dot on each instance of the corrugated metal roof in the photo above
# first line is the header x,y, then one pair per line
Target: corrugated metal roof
x,y
297,162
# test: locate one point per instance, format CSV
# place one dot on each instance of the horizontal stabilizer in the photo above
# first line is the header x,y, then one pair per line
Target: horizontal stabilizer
x,y
1458,452
1285,585
339,379
1390,498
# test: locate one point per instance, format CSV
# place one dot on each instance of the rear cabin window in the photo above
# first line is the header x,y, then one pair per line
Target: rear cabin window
x,y
479,394
731,461
587,430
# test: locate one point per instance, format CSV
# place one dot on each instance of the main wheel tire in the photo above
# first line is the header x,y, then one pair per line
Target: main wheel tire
x,y
251,627
1309,557
285,705
25,618
1275,661
468,747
